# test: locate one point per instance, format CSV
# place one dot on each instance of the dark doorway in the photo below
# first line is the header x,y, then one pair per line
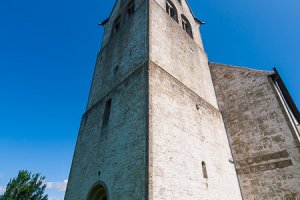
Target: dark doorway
x,y
98,193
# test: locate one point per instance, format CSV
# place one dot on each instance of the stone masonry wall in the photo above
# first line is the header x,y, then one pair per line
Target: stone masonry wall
x,y
117,152
122,52
176,52
184,9
264,146
185,131
185,125
116,155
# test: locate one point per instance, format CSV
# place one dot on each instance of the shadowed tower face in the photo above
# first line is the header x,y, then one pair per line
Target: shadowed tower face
x,y
152,128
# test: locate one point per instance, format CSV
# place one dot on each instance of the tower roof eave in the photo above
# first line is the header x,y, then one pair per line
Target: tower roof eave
x,y
104,22
199,21
107,19
286,94
195,18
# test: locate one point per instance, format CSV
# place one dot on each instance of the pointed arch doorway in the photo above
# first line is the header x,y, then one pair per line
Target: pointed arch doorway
x,y
98,192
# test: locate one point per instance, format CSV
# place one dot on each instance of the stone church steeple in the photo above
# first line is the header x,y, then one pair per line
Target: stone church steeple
x,y
152,128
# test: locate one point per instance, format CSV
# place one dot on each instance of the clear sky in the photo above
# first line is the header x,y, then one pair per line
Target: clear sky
x,y
48,51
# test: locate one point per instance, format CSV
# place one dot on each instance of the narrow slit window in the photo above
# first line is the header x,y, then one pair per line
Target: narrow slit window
x,y
116,69
85,119
117,24
171,10
204,170
130,8
106,114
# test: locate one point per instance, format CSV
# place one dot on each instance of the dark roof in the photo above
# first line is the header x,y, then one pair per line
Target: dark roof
x,y
104,22
199,21
288,98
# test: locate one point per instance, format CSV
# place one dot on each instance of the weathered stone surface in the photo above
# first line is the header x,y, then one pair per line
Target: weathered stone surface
x,y
120,151
186,127
125,50
263,142
176,52
186,130
165,137
263,167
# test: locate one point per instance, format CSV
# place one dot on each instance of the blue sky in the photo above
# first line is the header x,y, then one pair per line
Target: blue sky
x,y
47,55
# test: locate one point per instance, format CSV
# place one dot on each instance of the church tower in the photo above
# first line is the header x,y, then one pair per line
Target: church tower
x,y
152,128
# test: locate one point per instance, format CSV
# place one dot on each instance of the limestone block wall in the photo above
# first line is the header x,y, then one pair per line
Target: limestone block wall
x,y
265,147
183,8
176,52
184,131
122,52
115,155
119,8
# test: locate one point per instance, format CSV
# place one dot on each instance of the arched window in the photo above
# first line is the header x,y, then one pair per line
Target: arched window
x,y
98,192
204,171
171,10
186,26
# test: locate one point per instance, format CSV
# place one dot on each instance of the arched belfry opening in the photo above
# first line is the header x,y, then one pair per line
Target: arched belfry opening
x,y
186,26
171,10
98,192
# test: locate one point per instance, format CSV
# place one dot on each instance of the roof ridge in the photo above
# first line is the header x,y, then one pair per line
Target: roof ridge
x,y
243,68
